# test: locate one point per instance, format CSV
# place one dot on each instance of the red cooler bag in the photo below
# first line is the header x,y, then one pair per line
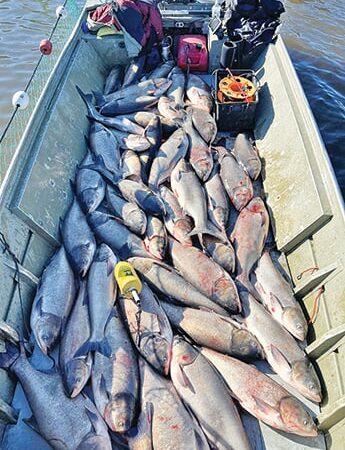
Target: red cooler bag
x,y
192,52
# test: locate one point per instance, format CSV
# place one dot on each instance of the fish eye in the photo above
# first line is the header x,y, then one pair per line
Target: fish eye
x,y
156,339
305,422
299,326
164,358
312,386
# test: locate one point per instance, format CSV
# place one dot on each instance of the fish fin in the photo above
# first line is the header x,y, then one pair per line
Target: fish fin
x,y
31,422
244,282
280,359
265,408
206,230
72,186
10,355
94,420
61,222
103,387
231,321
275,306
100,100
87,99
87,141
183,378
102,347
38,306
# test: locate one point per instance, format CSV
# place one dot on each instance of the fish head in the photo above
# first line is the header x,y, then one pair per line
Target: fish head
x,y
150,202
157,246
94,442
245,346
296,418
120,411
76,374
161,85
182,228
143,265
225,291
304,376
47,331
241,197
183,353
91,198
203,168
105,253
137,219
157,351
82,257
254,168
256,206
221,216
224,256
294,321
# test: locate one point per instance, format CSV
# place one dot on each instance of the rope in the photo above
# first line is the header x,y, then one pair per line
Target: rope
x,y
311,269
246,99
17,263
316,305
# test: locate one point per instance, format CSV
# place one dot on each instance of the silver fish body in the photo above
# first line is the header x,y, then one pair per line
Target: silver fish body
x,y
176,221
204,123
156,240
214,331
223,254
90,186
282,352
172,285
172,426
261,396
115,378
199,93
235,180
101,288
76,370
206,275
117,236
176,91
104,144
144,197
131,166
217,199
167,157
206,394
247,156
153,339
114,79
53,301
277,296
78,239
168,108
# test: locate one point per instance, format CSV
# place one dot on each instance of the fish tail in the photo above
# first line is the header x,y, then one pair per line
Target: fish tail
x,y
99,97
102,347
87,99
242,281
9,356
217,234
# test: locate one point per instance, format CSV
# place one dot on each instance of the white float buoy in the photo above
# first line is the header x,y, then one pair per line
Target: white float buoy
x,y
61,11
20,100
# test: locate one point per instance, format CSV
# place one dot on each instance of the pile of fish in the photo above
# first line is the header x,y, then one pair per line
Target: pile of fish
x,y
156,187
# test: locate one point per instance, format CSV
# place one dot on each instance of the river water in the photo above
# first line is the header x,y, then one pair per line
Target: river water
x,y
313,31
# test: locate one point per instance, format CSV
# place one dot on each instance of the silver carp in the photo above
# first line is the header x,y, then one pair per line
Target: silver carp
x,y
53,301
144,197
172,285
218,203
163,70
200,156
134,71
101,289
64,423
103,143
119,123
168,108
204,123
133,217
212,330
222,254
282,352
117,236
277,296
199,93
176,221
236,182
153,133
261,396
206,275
247,156
76,370
177,89
248,238
115,378
78,239
128,105
172,426
131,166
190,195
156,239
167,157
114,79
205,393
89,186
153,339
